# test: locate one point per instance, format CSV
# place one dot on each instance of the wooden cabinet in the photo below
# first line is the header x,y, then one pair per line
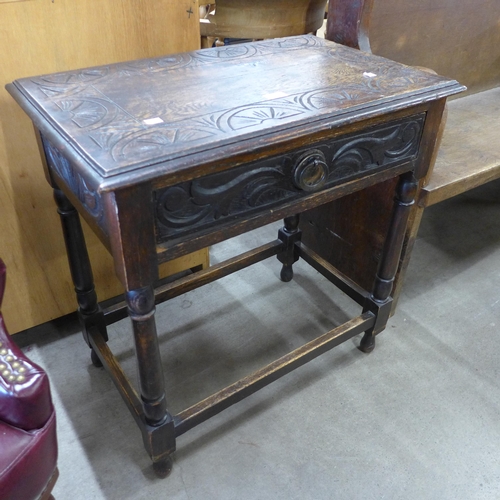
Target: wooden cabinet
x,y
46,36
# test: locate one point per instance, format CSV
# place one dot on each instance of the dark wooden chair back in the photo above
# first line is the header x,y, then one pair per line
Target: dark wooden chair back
x,y
348,23
259,19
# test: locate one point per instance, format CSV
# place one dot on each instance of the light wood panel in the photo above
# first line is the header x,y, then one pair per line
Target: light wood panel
x,y
469,155
459,39
45,36
263,18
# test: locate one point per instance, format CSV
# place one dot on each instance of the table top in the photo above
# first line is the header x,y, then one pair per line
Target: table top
x,y
154,117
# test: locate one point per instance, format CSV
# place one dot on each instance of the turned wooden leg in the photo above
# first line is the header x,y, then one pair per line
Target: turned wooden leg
x,y
380,300
89,311
159,434
289,234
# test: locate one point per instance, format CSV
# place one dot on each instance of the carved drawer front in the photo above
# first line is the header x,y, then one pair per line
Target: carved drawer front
x,y
257,187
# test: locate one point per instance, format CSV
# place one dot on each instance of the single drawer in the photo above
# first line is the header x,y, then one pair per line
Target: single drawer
x,y
256,188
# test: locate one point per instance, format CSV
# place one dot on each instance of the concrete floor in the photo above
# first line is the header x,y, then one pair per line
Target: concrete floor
x,y
416,419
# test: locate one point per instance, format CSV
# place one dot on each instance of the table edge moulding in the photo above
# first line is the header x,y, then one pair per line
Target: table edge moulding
x,y
159,170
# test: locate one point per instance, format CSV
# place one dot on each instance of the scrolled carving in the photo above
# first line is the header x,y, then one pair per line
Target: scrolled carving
x,y
89,198
379,148
253,188
220,195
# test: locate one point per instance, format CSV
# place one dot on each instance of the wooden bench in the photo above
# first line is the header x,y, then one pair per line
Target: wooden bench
x,y
455,38
469,153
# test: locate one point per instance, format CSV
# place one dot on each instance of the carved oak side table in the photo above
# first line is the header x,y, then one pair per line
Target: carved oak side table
x,y
159,169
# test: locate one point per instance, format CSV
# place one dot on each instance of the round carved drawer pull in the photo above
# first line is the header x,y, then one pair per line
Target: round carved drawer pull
x,y
311,171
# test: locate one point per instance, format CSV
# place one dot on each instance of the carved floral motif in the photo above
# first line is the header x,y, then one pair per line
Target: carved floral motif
x,y
123,141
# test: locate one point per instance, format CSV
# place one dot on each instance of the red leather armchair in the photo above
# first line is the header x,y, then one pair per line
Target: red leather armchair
x,y
28,446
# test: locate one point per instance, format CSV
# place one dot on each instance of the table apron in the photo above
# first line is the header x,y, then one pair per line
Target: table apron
x,y
261,188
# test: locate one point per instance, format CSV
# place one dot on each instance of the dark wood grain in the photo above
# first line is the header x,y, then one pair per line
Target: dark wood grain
x,y
265,141
348,23
328,229
110,129
263,19
89,312
349,232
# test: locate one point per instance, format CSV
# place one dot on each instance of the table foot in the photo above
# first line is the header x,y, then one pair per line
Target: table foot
x,y
163,467
367,343
286,274
95,359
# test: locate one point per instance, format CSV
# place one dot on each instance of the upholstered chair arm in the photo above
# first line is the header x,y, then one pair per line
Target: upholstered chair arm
x,y
25,400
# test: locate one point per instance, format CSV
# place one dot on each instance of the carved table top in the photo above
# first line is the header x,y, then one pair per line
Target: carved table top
x,y
152,118
168,155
